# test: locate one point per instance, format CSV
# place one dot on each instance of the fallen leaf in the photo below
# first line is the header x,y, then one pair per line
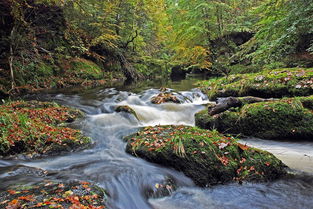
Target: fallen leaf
x,y
243,147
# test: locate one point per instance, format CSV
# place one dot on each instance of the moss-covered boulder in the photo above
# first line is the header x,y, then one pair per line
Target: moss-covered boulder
x,y
290,118
126,109
207,157
32,128
54,195
165,97
267,83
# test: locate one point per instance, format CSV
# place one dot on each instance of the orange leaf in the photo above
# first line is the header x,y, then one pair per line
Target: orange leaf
x,y
84,182
12,191
14,204
27,198
243,147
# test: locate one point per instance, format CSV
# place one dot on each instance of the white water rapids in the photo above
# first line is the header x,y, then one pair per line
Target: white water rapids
x,y
127,178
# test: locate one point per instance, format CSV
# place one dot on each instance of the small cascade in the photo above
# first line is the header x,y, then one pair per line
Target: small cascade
x,y
130,180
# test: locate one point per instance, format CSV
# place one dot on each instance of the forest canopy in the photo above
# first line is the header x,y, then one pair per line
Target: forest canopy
x,y
148,37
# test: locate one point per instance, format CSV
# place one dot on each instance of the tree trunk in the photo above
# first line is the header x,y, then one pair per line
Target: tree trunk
x,y
11,57
129,71
229,102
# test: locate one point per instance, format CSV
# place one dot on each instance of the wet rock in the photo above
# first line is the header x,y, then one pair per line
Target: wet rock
x,y
126,109
290,118
54,195
207,157
165,97
161,189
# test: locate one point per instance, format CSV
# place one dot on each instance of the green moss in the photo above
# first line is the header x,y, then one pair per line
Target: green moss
x,y
33,128
54,195
203,120
207,157
242,69
83,68
285,118
44,69
307,102
267,83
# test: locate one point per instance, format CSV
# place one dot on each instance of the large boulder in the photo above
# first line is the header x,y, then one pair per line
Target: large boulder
x,y
289,118
207,157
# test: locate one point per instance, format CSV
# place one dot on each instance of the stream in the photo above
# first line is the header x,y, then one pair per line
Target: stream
x,y
127,179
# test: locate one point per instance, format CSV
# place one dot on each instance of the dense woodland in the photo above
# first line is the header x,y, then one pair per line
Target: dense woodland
x,y
41,39
256,57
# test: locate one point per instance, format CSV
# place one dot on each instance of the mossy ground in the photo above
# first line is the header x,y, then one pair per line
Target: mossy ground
x,y
207,157
267,83
82,195
32,128
288,118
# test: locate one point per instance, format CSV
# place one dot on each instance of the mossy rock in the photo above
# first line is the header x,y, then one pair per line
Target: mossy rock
x,y
35,128
290,118
54,195
207,157
165,97
267,83
126,109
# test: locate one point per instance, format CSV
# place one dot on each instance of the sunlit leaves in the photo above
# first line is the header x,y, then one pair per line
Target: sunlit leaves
x,y
282,25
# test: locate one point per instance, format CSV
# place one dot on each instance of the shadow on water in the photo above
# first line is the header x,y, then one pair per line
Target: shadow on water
x,y
126,178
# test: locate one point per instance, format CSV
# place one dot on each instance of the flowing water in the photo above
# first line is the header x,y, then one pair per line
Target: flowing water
x,y
128,179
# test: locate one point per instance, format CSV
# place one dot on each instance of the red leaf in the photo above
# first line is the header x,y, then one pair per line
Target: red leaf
x,y
12,191
27,198
243,147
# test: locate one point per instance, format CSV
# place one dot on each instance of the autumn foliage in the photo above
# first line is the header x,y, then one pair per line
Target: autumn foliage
x,y
35,128
73,195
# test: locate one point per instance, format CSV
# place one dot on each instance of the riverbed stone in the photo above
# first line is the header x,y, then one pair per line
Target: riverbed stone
x,y
207,157
288,118
126,109
48,194
165,97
